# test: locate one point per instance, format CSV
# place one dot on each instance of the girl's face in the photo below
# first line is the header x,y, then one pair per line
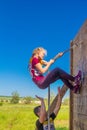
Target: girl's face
x,y
41,54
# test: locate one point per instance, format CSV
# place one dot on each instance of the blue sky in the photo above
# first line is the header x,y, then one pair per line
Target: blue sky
x,y
27,24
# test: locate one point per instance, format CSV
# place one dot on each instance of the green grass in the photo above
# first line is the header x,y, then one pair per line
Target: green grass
x,y
62,119
21,117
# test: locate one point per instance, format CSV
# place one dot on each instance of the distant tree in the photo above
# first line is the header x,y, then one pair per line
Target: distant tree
x,y
2,100
1,103
15,97
27,100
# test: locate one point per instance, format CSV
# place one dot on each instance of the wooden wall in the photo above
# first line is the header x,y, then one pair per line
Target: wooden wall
x,y
78,103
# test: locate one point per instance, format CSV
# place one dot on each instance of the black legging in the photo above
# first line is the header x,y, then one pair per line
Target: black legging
x,y
55,75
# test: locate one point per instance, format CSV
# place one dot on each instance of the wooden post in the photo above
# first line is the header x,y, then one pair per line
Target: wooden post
x,y
71,95
78,103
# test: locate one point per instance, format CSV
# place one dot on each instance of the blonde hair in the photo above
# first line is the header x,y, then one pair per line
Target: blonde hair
x,y
39,49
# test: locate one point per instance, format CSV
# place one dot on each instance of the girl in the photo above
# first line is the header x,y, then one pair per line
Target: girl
x,y
37,70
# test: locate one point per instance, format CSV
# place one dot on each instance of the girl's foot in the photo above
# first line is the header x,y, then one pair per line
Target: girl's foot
x,y
76,89
78,78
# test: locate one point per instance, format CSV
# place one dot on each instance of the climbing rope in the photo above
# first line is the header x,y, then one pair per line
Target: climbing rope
x,y
74,45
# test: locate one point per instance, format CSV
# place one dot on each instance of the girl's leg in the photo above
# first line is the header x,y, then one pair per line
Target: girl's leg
x,y
68,84
65,75
54,75
51,77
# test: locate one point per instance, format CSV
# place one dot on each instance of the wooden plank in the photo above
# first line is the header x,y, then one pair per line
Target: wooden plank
x,y
78,103
71,95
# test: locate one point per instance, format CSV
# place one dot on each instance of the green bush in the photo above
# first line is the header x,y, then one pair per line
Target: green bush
x,y
1,103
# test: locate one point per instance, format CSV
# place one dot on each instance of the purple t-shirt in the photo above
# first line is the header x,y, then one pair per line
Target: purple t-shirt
x,y
36,75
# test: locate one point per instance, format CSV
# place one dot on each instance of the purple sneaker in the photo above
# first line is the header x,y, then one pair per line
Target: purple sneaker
x,y
76,89
78,78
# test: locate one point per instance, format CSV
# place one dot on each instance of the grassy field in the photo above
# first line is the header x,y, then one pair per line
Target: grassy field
x,y
21,117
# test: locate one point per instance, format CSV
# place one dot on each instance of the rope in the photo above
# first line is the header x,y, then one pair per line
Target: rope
x,y
74,45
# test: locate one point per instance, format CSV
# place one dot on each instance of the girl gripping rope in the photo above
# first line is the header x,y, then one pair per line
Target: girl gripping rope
x,y
37,72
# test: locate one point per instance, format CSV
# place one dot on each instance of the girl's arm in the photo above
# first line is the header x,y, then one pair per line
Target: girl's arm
x,y
44,62
44,69
43,113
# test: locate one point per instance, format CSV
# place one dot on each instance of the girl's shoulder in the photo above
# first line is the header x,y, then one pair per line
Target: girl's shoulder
x,y
35,60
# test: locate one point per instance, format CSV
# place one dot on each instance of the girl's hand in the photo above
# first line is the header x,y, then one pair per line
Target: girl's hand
x,y
60,54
